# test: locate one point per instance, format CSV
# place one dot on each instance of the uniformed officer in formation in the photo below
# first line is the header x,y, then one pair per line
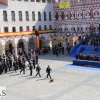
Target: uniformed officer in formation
x,y
30,67
38,70
48,70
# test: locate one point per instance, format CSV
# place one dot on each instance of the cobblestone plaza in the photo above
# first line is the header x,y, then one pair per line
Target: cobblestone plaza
x,y
69,83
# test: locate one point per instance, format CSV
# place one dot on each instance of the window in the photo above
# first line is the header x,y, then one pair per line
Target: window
x,y
40,27
48,1
27,28
37,0
27,16
25,0
13,29
20,16
39,16
21,28
45,27
5,29
5,15
50,16
32,0
33,16
43,1
33,28
13,15
50,27
44,16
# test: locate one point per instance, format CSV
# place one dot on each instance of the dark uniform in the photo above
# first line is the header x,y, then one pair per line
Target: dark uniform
x,y
19,63
5,66
22,67
76,56
48,71
7,61
30,68
34,62
10,62
1,69
15,66
62,50
57,51
38,70
36,58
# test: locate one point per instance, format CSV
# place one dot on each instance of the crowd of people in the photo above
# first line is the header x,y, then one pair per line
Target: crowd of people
x,y
58,49
87,57
11,63
92,39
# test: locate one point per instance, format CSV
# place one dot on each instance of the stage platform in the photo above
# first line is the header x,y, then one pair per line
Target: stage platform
x,y
83,67
95,64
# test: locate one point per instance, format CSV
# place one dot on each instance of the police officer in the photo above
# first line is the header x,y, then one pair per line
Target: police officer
x,y
15,66
7,61
30,67
36,58
62,49
76,56
57,51
1,69
33,61
10,61
23,67
19,63
5,66
48,71
38,70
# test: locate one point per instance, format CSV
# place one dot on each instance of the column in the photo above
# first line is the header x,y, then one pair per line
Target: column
x,y
26,47
3,49
15,51
38,41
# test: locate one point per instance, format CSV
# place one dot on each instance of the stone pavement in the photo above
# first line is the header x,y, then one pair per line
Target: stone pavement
x,y
69,83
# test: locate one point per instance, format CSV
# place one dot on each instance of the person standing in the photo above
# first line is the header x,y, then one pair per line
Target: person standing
x,y
38,70
1,69
57,51
48,70
23,67
36,58
33,59
30,67
15,66
62,49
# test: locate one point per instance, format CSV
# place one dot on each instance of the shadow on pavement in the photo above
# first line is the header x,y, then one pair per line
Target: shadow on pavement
x,y
14,75
31,77
41,79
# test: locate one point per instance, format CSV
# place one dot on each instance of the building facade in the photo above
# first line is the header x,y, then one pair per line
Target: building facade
x,y
82,16
24,17
20,18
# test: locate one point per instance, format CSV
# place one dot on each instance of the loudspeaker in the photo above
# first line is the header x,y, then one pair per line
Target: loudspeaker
x,y
36,33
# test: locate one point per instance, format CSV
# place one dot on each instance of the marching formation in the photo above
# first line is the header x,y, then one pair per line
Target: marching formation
x,y
12,63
